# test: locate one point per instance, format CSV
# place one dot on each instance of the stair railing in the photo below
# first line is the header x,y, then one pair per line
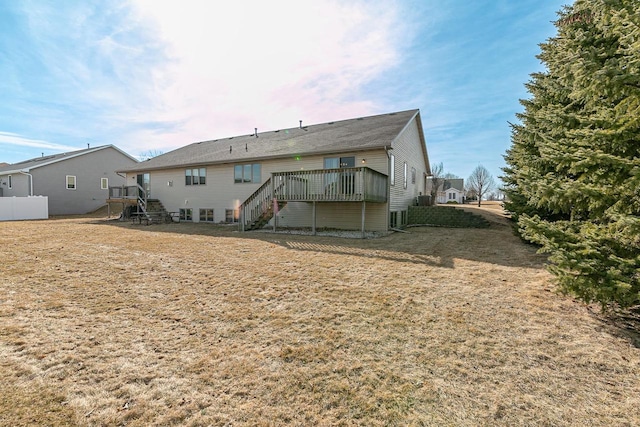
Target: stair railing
x,y
256,204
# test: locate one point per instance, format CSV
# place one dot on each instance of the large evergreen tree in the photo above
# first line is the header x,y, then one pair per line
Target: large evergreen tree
x,y
573,170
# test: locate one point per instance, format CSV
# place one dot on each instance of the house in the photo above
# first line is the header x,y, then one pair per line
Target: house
x,y
360,173
451,191
76,182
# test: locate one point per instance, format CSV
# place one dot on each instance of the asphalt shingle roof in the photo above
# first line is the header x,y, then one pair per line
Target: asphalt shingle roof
x,y
36,162
333,137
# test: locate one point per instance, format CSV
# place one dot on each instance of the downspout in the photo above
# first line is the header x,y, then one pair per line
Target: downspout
x,y
30,181
386,150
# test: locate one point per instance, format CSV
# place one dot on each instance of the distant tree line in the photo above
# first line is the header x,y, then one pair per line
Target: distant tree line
x,y
572,178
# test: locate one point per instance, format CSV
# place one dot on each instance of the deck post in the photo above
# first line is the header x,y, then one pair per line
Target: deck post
x,y
363,211
273,202
313,218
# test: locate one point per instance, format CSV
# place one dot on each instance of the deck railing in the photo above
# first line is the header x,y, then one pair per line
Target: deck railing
x,y
124,192
360,184
322,185
130,192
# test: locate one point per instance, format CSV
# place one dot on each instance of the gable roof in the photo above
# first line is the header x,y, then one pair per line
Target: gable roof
x,y
455,183
364,133
38,162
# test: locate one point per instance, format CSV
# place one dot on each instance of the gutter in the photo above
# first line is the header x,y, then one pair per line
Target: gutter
x,y
30,181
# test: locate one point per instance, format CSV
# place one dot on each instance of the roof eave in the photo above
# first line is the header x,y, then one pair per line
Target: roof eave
x,y
253,159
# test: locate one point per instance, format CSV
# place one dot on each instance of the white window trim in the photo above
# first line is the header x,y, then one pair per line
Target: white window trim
x,y
10,182
104,183
406,178
75,182
392,172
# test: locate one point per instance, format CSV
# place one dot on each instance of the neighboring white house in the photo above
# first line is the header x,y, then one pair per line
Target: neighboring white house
x,y
76,182
451,190
360,173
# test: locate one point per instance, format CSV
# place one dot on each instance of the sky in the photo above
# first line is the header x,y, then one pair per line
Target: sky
x,y
151,76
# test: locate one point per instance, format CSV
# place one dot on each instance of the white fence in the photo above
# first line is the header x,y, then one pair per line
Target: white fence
x,y
17,208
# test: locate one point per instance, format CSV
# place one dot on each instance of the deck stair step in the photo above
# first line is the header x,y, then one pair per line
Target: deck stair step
x,y
154,212
264,219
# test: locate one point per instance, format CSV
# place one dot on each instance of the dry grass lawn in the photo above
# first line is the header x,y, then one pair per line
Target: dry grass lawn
x,y
108,323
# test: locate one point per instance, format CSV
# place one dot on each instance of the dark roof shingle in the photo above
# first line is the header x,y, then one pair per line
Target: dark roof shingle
x,y
333,137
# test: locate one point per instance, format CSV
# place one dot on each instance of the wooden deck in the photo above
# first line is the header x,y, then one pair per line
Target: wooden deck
x,y
360,184
331,185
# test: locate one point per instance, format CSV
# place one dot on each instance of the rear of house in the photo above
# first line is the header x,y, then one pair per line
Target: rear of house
x,y
359,173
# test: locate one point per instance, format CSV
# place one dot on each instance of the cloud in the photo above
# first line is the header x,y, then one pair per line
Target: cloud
x,y
15,139
234,66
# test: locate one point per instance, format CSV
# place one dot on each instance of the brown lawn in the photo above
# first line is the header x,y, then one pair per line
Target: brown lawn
x,y
107,323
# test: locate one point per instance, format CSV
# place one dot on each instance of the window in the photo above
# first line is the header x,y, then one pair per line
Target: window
x,y
195,176
186,214
231,215
339,162
247,173
393,219
10,182
392,171
206,215
404,178
413,175
404,216
71,182
104,183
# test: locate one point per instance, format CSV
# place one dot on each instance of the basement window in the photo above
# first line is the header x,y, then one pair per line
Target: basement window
x,y
231,215
206,215
393,219
71,182
186,214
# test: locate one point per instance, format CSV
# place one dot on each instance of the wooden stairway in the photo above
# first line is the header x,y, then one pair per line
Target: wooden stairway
x,y
264,218
258,209
154,212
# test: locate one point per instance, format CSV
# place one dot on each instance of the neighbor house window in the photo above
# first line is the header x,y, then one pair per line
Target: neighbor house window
x,y
196,176
413,175
247,173
104,183
10,182
231,215
186,214
392,172
206,215
71,182
404,179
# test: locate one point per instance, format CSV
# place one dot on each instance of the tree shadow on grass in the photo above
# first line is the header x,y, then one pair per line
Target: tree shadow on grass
x,y
622,323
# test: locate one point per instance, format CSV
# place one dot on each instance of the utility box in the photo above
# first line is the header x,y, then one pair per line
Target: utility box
x,y
424,200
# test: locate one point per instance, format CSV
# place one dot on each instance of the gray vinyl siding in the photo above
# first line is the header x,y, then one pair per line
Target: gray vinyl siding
x,y
221,193
408,148
19,185
89,168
